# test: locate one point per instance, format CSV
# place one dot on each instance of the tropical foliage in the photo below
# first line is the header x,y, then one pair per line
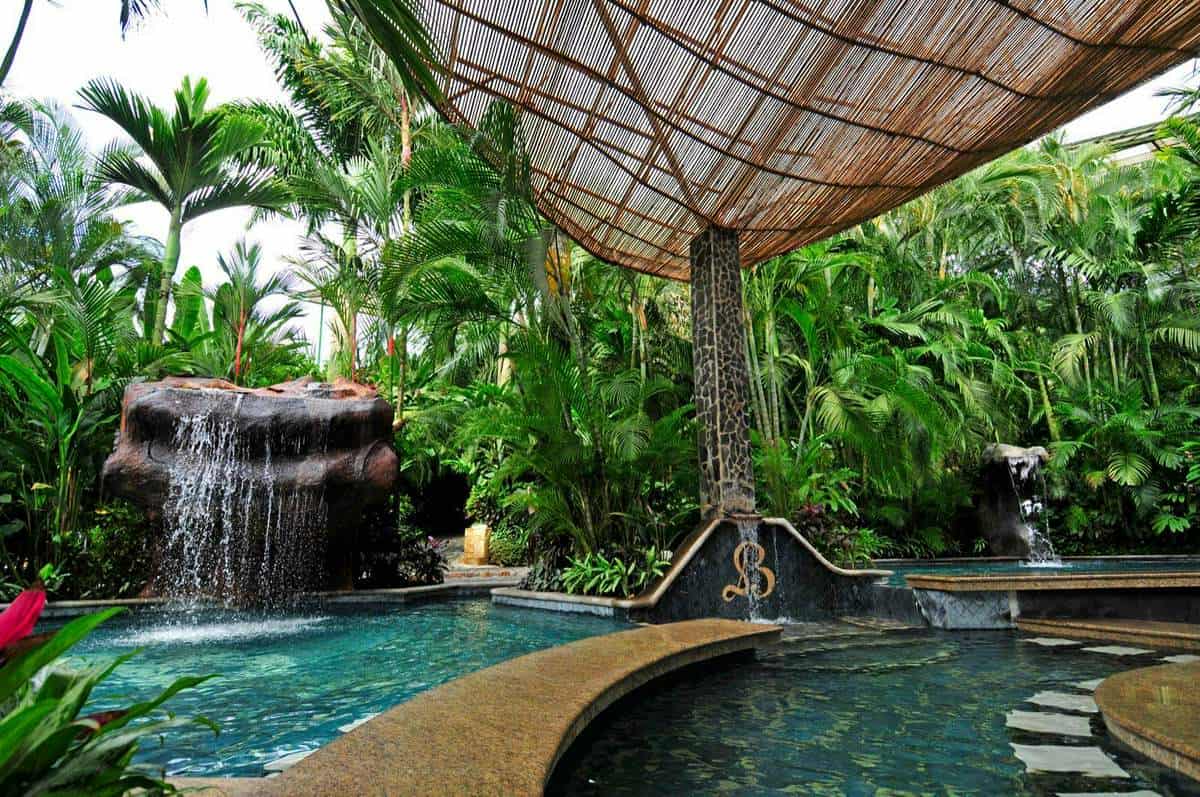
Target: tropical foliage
x,y
1049,297
75,315
46,746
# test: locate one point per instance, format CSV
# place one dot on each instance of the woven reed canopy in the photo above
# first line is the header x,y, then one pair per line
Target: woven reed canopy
x,y
788,120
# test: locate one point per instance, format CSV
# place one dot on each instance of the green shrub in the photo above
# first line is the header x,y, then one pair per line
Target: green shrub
x,y
112,557
508,545
597,574
544,576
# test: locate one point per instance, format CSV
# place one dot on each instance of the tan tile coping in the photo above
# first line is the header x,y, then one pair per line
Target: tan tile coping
x,y
1156,711
968,560
455,586
1075,581
1150,633
501,730
218,787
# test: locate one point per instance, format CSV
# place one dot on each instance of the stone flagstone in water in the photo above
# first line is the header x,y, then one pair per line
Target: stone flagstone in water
x,y
1119,650
1050,641
1089,761
1065,701
1048,722
1182,658
1091,685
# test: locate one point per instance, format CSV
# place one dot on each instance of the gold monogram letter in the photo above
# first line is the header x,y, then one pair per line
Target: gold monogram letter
x,y
741,559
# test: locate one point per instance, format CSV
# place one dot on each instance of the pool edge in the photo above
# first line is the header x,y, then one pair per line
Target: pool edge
x,y
503,729
1147,710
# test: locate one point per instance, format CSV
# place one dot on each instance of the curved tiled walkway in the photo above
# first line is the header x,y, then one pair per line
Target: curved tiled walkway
x,y
1156,711
501,730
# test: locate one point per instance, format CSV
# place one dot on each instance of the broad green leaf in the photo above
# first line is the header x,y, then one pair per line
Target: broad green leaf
x,y
1128,468
17,672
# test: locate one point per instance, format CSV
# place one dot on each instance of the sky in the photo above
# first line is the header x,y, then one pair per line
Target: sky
x,y
70,42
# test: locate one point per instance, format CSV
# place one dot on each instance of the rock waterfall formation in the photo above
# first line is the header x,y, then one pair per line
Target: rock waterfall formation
x,y
259,492
1010,507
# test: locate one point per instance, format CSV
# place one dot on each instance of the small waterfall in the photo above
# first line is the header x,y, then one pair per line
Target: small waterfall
x,y
233,534
748,537
1029,485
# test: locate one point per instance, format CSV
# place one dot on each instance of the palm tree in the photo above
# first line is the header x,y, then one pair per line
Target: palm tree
x,y
398,30
195,163
237,302
68,345
345,155
11,54
338,276
57,212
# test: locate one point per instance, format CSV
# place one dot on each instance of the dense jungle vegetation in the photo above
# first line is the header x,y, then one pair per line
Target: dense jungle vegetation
x,y
1048,298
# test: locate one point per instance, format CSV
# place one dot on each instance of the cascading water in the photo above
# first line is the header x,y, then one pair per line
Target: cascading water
x,y
748,541
232,533
1029,485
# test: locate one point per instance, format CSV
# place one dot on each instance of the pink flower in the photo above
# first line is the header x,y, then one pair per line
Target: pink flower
x,y
18,620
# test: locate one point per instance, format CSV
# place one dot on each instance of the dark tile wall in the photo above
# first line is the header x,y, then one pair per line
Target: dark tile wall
x,y
803,589
1167,605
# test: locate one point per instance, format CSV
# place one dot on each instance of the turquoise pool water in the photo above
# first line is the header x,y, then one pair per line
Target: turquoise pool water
x,y
898,714
1068,567
287,684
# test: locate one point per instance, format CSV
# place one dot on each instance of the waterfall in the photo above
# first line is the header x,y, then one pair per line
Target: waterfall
x,y
748,536
1029,486
231,532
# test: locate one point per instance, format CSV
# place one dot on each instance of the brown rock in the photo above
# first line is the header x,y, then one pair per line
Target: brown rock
x,y
326,448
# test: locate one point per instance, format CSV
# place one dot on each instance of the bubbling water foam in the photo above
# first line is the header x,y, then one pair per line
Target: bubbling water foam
x,y
224,632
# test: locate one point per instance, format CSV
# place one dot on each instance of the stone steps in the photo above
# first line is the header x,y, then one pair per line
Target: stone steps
x,y
878,623
465,572
1152,634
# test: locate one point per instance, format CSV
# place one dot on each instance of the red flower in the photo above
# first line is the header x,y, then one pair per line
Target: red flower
x,y
94,722
18,620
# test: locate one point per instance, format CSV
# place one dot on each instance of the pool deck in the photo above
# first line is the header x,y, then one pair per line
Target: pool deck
x,y
1074,581
218,787
1148,633
1156,711
501,730
453,586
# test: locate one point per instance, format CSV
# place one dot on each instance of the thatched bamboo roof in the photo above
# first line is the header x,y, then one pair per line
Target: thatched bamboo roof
x,y
786,119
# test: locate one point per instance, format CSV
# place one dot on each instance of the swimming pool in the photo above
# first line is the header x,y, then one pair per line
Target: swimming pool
x,y
985,567
864,714
288,684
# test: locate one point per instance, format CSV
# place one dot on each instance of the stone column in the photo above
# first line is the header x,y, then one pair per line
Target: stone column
x,y
721,375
